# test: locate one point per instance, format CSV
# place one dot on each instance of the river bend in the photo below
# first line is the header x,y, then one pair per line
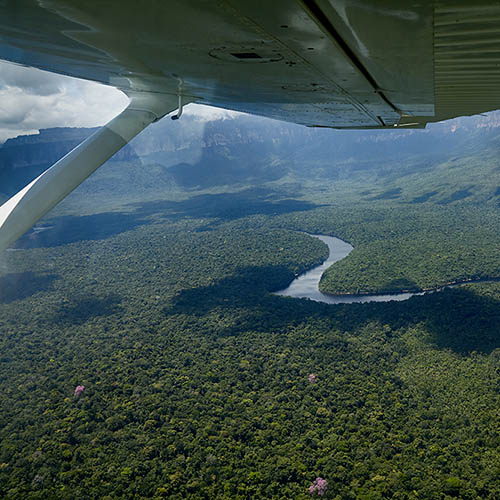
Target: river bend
x,y
306,286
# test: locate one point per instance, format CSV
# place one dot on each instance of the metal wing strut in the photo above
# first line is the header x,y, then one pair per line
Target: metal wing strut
x,y
29,205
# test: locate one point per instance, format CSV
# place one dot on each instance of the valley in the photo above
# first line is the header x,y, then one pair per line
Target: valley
x,y
152,288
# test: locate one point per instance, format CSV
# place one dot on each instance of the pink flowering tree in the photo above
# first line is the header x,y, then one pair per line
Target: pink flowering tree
x,y
79,390
312,378
318,487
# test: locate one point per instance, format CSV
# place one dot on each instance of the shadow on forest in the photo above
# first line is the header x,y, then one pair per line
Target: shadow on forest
x,y
81,309
462,320
392,194
69,229
400,284
224,206
458,319
16,286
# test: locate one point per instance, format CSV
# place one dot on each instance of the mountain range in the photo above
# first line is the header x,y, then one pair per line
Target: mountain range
x,y
193,154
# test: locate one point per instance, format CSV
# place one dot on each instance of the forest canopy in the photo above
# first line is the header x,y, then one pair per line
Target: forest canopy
x,y
197,379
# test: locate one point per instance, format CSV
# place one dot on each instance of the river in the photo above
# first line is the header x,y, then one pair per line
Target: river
x,y
306,286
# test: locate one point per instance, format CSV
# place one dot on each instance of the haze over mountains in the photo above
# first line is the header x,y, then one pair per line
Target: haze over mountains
x,y
241,150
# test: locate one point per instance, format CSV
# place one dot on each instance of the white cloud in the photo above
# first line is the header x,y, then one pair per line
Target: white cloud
x,y
31,80
31,99
209,113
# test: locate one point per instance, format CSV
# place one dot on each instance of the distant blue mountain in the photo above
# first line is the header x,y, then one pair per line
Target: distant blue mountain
x,y
196,153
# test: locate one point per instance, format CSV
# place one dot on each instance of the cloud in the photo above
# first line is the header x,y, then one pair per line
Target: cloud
x,y
30,80
31,99
209,113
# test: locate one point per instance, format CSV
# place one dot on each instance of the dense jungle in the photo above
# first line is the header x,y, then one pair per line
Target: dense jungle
x,y
153,291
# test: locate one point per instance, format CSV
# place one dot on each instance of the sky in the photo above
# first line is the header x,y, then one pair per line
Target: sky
x,y
31,99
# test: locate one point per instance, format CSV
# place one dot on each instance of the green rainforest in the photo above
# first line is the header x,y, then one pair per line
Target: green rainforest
x,y
144,356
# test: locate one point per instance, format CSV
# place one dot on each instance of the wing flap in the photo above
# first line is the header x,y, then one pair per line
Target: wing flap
x,y
467,57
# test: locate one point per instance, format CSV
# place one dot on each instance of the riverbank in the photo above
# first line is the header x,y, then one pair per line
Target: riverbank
x,y
307,285
417,291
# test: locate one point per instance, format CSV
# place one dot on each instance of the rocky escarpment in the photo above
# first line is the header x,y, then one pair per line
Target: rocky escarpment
x,y
25,157
196,152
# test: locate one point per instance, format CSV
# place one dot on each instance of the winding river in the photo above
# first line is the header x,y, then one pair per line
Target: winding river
x,y
307,285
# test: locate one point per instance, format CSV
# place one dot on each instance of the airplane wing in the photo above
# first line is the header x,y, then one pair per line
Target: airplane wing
x,y
320,63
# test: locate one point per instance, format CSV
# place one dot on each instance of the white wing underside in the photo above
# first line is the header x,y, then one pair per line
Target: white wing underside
x,y
328,63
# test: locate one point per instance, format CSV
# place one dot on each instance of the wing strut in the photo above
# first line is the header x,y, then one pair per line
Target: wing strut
x,y
29,205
